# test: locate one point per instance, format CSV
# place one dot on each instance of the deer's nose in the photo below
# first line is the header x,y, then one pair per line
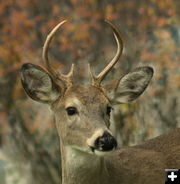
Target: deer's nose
x,y
106,142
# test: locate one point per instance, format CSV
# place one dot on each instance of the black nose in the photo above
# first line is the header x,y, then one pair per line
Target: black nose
x,y
106,142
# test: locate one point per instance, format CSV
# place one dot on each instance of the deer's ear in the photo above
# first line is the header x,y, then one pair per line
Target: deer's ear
x,y
131,86
38,84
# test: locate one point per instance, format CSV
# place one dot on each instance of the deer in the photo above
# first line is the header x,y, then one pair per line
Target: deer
x,y
89,151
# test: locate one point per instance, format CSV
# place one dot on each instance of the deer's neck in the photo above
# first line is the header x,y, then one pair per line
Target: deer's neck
x,y
79,167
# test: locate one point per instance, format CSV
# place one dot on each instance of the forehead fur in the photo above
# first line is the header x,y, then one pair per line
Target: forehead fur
x,y
86,94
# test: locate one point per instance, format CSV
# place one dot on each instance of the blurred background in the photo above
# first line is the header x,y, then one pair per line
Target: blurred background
x,y
29,146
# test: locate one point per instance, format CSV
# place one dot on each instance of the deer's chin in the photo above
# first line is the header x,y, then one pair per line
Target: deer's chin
x,y
100,152
83,149
91,151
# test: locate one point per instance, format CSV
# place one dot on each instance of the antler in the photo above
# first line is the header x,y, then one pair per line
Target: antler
x,y
96,80
66,78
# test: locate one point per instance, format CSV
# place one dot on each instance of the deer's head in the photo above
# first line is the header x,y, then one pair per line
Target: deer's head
x,y
82,112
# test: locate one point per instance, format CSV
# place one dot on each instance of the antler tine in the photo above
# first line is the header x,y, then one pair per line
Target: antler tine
x,y
96,80
66,78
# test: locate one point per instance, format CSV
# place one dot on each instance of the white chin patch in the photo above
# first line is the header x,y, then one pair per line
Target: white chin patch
x,y
102,153
82,149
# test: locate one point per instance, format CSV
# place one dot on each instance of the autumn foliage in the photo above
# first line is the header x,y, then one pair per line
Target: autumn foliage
x,y
150,31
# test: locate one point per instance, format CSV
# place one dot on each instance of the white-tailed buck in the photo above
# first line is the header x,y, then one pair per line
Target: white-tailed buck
x,y
89,151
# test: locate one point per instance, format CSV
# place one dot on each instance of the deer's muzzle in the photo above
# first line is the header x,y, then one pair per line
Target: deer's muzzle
x,y
106,142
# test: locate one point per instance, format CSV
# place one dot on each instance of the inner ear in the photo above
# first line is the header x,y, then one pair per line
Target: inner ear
x,y
131,85
38,84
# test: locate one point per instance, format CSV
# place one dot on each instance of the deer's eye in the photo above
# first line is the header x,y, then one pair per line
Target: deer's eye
x,y
71,111
108,110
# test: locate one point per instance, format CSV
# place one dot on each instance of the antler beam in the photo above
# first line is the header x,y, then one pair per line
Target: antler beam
x,y
66,78
96,80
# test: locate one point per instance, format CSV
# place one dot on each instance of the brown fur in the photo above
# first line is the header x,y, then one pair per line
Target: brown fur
x,y
142,164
